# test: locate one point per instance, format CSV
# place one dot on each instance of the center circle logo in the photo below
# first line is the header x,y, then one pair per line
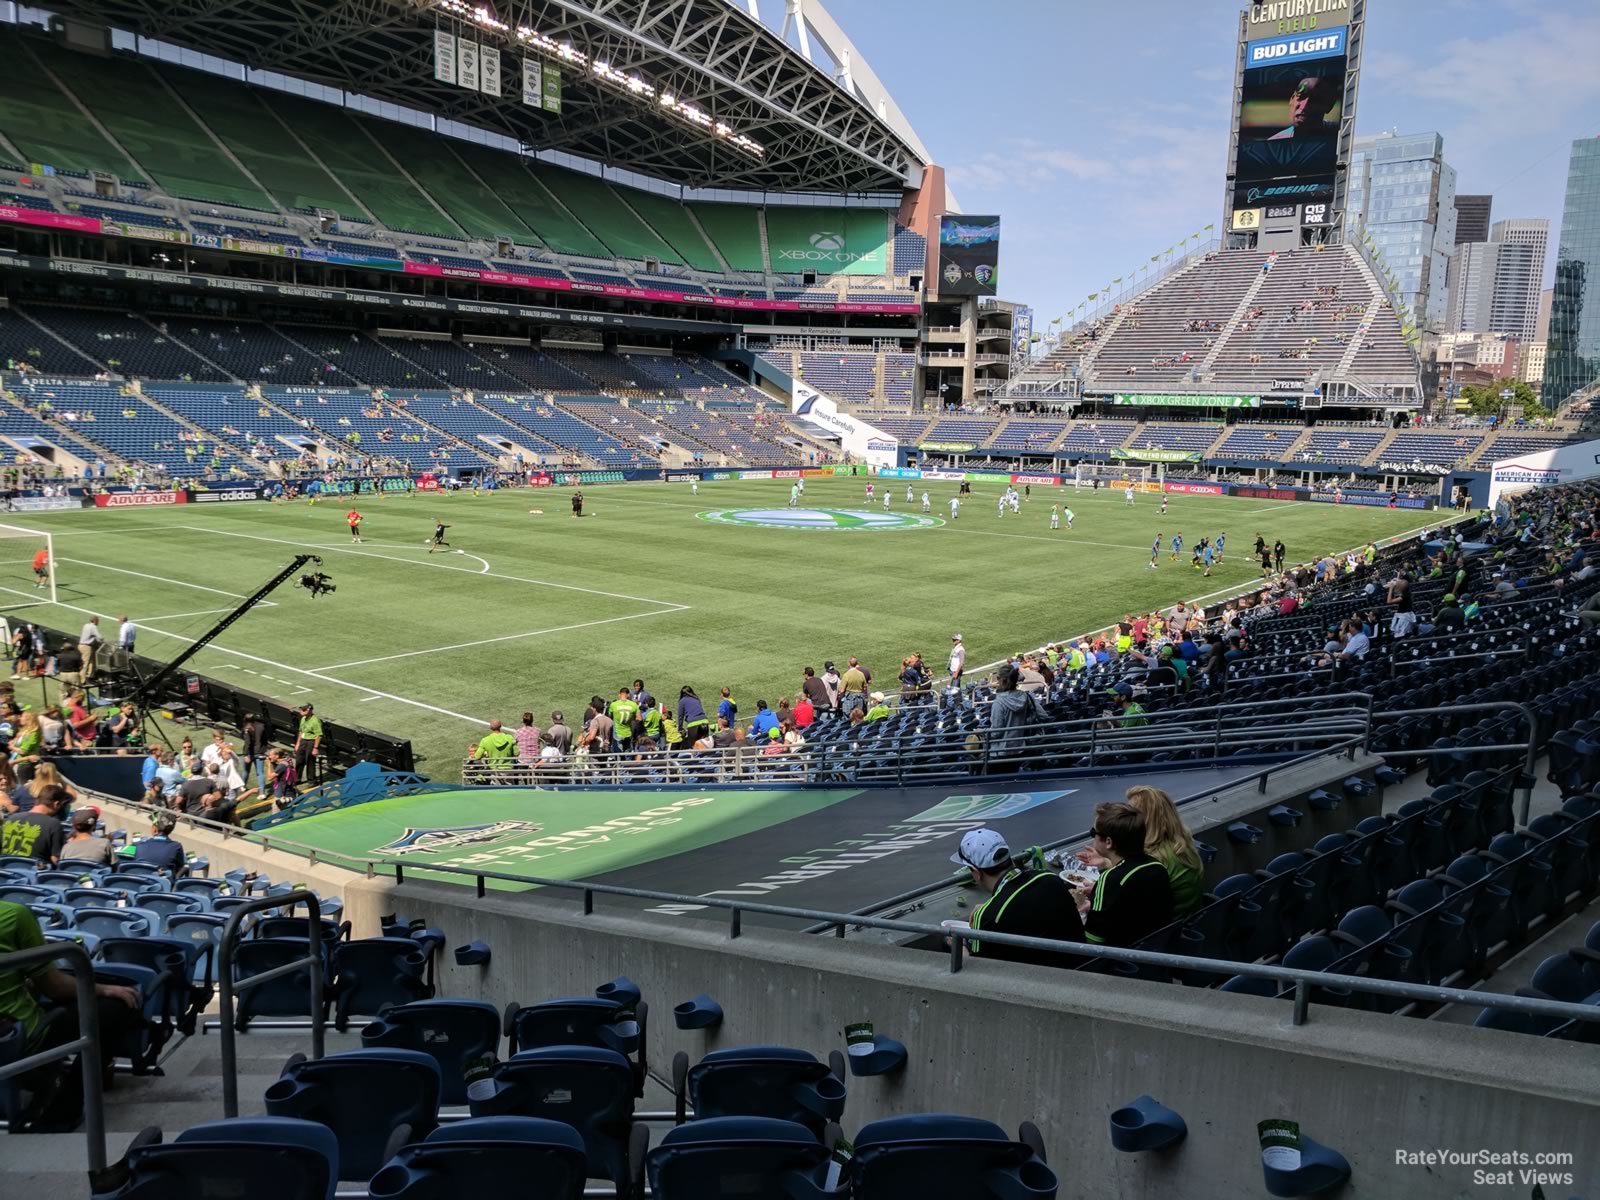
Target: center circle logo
x,y
830,520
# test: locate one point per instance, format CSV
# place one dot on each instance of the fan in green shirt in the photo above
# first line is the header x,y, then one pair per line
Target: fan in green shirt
x,y
623,710
497,743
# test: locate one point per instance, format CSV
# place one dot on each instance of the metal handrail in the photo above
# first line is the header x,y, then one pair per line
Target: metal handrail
x,y
1214,729
226,986
1529,714
1303,980
86,1045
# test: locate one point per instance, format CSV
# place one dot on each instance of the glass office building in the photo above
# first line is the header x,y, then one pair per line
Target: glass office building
x,y
1572,353
1404,193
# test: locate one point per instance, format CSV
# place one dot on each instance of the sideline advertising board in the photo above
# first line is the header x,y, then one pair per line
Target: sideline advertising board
x,y
1565,464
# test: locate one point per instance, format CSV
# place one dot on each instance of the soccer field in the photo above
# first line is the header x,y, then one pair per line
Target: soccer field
x,y
542,611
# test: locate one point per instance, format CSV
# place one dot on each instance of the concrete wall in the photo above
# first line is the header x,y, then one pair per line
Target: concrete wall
x,y
1017,1043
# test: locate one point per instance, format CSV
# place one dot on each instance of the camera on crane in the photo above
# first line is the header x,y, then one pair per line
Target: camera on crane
x,y
317,583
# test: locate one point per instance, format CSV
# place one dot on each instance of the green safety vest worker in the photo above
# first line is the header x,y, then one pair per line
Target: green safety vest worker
x,y
1075,659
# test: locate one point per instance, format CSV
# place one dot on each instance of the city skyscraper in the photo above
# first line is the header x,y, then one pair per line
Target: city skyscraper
x,y
1495,285
1572,354
1403,193
1472,218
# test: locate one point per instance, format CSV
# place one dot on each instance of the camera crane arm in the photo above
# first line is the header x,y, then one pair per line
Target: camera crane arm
x,y
148,687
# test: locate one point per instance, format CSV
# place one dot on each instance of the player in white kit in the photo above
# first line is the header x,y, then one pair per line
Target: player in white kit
x,y
926,507
1127,495
1069,515
1055,516
694,487
955,507
886,495
909,496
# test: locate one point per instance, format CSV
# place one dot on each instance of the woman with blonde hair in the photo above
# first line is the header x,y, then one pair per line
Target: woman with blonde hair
x,y
1167,840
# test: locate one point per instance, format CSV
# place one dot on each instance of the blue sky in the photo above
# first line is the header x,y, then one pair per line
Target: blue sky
x,y
1099,132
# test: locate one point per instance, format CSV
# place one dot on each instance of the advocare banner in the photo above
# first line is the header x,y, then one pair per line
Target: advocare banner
x,y
139,499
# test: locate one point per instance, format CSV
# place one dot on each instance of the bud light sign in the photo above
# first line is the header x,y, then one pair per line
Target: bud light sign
x,y
1297,48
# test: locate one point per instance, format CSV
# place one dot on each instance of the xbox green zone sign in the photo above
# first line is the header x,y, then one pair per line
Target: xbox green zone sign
x,y
830,520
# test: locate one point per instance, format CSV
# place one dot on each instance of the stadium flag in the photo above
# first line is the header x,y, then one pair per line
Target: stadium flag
x,y
489,64
532,83
1209,228
552,90
444,56
467,64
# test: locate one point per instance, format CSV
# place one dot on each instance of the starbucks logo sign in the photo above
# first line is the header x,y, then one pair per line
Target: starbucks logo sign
x,y
831,520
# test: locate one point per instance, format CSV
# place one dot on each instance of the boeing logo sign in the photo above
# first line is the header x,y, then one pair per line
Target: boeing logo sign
x,y
1271,51
1279,190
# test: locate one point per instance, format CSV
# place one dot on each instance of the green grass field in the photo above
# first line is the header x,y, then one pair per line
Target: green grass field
x,y
542,611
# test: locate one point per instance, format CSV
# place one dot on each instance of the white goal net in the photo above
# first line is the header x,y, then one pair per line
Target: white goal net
x,y
1087,474
27,567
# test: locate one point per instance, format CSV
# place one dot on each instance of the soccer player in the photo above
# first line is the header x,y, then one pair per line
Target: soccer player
x,y
438,535
1177,546
794,495
926,505
1278,551
1055,516
802,482
909,496
1027,491
869,493
694,487
577,503
1222,542
886,494
1155,551
1016,503
955,507
1002,506
1127,495
41,568
354,519
1069,516
1266,558
1209,555
1163,511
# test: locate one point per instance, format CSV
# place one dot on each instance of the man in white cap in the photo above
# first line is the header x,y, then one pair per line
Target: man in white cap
x,y
958,659
1027,903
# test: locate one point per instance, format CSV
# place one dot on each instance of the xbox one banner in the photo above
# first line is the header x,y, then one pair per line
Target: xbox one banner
x,y
969,255
829,241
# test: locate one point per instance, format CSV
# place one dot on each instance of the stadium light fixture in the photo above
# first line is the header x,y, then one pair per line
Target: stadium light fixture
x,y
629,84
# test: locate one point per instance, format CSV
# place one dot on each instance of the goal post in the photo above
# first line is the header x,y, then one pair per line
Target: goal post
x,y
26,578
1084,474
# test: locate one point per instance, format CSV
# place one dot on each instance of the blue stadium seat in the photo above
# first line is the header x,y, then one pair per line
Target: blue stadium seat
x,y
587,1087
167,905
454,1032
287,995
582,1021
739,1156
246,1158
940,1155
376,973
112,922
374,1101
489,1156
761,1081
203,931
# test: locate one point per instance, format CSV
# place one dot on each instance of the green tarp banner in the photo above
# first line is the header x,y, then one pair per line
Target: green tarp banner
x,y
1157,456
948,447
1184,400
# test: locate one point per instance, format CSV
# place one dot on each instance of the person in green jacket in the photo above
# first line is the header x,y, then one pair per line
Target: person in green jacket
x,y
623,710
1167,840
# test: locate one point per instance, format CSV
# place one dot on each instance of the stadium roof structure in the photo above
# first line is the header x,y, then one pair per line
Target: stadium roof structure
x,y
815,135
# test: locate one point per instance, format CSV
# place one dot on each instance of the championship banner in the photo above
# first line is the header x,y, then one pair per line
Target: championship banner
x,y
489,71
552,90
1156,456
444,56
467,64
1184,400
532,83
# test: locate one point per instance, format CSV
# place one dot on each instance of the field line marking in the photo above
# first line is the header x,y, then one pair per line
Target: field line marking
x,y
371,693
395,545
203,612
510,637
199,587
566,587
